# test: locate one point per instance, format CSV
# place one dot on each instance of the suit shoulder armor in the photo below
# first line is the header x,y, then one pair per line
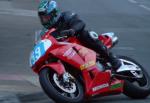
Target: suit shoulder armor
x,y
68,15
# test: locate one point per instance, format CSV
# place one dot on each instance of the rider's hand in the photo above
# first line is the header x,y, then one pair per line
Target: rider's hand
x,y
69,32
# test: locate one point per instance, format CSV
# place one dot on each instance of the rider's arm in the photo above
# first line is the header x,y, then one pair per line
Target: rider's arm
x,y
74,22
77,24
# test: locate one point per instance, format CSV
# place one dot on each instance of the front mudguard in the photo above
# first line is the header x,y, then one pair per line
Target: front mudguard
x,y
58,67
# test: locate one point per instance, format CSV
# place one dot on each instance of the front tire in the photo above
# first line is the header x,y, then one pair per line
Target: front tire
x,y
56,91
141,89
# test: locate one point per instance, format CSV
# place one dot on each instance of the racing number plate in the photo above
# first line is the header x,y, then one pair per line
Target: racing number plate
x,y
39,50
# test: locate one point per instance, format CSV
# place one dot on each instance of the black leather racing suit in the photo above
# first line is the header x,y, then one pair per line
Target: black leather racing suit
x,y
68,20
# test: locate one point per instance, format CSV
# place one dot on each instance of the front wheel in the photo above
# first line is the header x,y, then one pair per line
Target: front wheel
x,y
58,90
137,88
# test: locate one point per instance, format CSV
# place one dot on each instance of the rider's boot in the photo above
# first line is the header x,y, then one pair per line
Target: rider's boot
x,y
114,61
108,56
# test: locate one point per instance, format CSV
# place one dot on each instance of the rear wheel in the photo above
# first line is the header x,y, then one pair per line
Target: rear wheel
x,y
138,87
60,91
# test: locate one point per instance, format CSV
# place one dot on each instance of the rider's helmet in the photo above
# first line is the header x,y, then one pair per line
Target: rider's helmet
x,y
48,13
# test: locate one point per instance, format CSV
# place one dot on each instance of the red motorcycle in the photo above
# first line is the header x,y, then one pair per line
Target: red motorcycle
x,y
71,73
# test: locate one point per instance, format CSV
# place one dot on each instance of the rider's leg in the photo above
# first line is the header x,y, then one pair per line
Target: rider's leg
x,y
100,48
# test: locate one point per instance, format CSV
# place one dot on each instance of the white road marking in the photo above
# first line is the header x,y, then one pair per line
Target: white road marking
x,y
145,7
12,77
132,1
19,12
125,48
140,5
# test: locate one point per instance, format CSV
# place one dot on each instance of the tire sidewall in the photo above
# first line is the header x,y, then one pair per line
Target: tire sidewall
x,y
134,91
53,93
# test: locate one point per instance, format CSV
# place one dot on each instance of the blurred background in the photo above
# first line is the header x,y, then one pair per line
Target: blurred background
x,y
129,19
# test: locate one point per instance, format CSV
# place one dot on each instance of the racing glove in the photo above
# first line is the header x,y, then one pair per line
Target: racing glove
x,y
69,32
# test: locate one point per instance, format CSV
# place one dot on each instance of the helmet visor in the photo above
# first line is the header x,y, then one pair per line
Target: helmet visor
x,y
45,19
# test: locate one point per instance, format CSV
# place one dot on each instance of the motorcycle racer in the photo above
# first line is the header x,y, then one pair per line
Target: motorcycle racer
x,y
69,23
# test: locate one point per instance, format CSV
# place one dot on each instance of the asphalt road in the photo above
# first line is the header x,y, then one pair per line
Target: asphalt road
x,y
129,19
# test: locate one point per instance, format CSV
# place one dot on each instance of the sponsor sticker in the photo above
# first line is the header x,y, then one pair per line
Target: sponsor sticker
x,y
69,53
100,87
116,86
87,65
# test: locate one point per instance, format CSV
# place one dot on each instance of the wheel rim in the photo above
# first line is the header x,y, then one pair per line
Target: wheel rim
x,y
141,79
136,70
70,89
71,93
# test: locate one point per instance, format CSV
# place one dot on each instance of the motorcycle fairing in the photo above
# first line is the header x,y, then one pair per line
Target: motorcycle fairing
x,y
75,54
84,59
97,82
